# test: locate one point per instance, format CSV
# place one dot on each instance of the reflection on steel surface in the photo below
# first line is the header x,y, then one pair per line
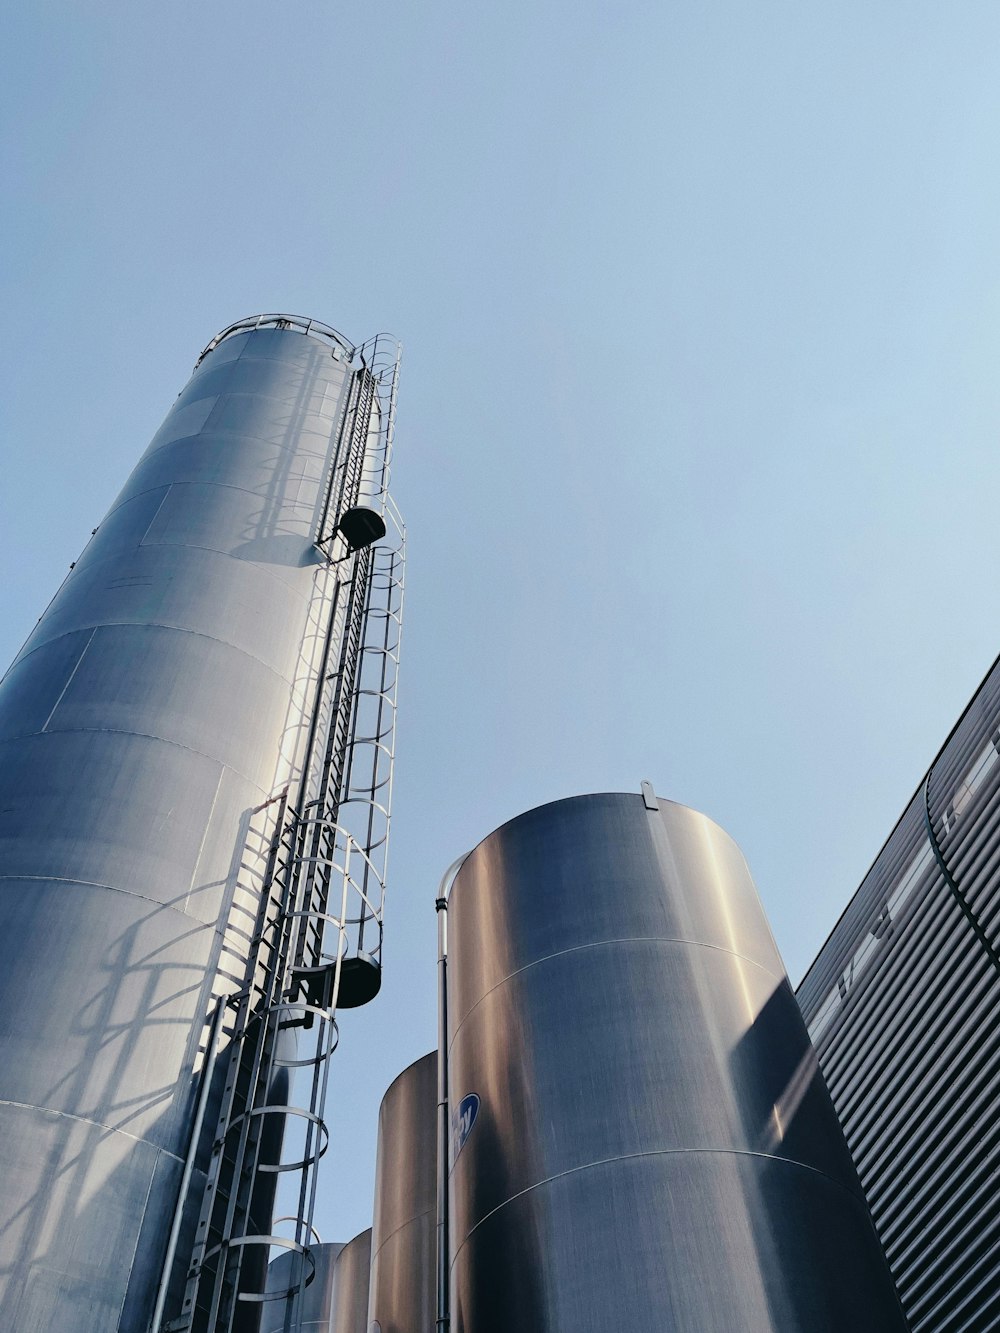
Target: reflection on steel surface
x,y
403,1233
168,734
654,1146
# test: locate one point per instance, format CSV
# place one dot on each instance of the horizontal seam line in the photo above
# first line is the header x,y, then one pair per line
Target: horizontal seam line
x,y
206,429
153,624
600,944
141,735
658,1152
192,546
427,1212
114,888
85,1120
222,485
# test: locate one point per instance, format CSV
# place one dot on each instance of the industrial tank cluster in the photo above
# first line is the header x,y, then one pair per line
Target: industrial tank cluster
x,y
623,1123
638,1134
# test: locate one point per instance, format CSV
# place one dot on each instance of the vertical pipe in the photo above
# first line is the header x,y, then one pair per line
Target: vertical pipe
x,y
441,906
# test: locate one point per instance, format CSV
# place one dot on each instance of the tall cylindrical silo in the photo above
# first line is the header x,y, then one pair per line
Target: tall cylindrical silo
x,y
335,1300
642,1139
160,704
402,1293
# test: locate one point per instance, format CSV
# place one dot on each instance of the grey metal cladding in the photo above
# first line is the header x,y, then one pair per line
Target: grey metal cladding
x,y
183,588
268,470
74,1199
403,1242
121,678
667,1056
56,792
902,1002
704,1244
107,1039
230,348
308,386
720,908
650,1142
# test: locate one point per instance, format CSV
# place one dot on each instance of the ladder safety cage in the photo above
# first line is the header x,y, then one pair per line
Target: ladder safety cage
x,y
317,941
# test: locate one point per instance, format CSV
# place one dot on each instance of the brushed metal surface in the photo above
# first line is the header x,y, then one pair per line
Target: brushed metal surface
x,y
156,703
350,1303
402,1293
653,1145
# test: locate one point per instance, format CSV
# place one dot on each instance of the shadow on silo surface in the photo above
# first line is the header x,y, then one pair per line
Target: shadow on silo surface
x,y
86,1151
511,1288
821,1260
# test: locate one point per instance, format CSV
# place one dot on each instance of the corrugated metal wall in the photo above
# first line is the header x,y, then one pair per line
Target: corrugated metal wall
x,y
903,1004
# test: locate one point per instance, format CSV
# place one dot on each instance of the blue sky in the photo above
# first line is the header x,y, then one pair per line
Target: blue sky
x,y
697,433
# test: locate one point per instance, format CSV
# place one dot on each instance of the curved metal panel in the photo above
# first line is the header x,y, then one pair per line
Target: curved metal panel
x,y
641,1136
402,1294
309,1309
334,1301
350,1295
157,703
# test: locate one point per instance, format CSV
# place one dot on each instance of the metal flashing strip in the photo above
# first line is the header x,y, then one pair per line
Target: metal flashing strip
x,y
949,880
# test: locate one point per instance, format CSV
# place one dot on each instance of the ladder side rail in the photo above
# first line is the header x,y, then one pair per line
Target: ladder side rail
x,y
242,1001
246,1161
340,454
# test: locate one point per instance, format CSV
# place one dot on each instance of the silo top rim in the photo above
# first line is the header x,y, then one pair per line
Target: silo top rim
x,y
403,1072
584,796
312,328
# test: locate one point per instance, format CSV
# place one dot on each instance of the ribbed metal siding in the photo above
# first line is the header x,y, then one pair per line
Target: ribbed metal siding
x,y
902,1003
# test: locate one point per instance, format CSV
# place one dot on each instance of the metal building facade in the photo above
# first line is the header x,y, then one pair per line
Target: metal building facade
x,y
169,719
641,1137
902,1004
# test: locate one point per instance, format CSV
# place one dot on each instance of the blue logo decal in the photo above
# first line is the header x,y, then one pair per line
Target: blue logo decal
x,y
464,1119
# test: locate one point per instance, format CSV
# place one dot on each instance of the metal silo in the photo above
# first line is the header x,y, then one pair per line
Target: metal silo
x,y
295,1303
351,1279
336,1298
195,756
402,1292
641,1138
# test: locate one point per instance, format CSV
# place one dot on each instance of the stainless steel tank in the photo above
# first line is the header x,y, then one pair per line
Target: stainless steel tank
x,y
641,1137
334,1301
352,1276
156,706
301,1293
402,1294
